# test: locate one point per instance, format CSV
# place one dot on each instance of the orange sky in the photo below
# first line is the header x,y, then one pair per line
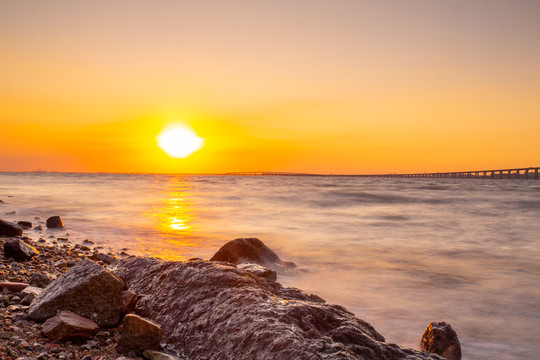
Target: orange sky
x,y
302,86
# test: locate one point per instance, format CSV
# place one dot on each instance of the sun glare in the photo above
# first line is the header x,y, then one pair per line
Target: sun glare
x,y
179,141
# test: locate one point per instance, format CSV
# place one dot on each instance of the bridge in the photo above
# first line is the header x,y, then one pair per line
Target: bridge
x,y
530,173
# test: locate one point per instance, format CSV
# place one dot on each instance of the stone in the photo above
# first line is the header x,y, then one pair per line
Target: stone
x,y
8,229
67,325
156,355
31,290
259,270
138,334
107,259
54,222
19,250
129,301
440,338
13,286
249,250
86,289
25,224
42,279
213,310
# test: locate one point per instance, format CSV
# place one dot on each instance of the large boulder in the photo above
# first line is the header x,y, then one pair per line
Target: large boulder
x,y
215,310
249,250
9,229
55,222
440,338
138,334
69,326
19,250
86,289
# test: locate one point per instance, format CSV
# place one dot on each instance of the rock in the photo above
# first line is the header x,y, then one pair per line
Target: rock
x,y
55,222
69,326
212,310
42,279
259,270
87,242
25,224
86,289
156,355
19,250
138,334
103,257
440,338
13,286
129,301
8,229
249,250
31,290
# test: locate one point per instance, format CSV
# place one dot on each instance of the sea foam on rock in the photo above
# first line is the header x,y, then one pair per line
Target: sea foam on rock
x,y
214,310
87,289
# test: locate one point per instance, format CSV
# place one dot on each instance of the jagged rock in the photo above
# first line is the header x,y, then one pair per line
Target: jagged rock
x,y
69,326
8,229
42,279
216,311
25,224
129,301
54,222
13,286
156,355
259,270
138,334
19,250
440,338
87,289
249,250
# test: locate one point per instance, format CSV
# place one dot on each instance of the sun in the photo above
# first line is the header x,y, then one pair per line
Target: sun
x,y
179,141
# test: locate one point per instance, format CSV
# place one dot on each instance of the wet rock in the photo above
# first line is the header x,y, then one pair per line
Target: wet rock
x,y
87,242
42,279
13,286
138,334
19,250
107,259
440,338
156,355
259,270
25,224
129,301
8,229
67,325
215,311
54,222
86,289
249,250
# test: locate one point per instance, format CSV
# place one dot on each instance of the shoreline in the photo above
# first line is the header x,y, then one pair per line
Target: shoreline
x,y
22,337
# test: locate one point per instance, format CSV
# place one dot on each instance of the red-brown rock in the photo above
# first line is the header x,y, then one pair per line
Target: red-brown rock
x,y
19,250
129,301
69,326
8,229
138,334
439,338
55,222
13,286
86,289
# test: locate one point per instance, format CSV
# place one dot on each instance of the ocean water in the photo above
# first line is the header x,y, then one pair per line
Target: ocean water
x,y
399,253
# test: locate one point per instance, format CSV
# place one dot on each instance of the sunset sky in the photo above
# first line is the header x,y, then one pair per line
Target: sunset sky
x,y
297,85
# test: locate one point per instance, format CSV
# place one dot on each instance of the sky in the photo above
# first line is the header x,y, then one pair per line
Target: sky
x,y
341,87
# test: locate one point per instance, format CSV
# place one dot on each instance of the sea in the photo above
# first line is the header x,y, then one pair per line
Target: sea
x,y
397,252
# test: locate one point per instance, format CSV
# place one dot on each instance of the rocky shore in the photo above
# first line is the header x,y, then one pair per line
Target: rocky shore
x,y
69,301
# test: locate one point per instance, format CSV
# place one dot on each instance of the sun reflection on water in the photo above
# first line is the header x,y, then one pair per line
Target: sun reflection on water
x,y
174,221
